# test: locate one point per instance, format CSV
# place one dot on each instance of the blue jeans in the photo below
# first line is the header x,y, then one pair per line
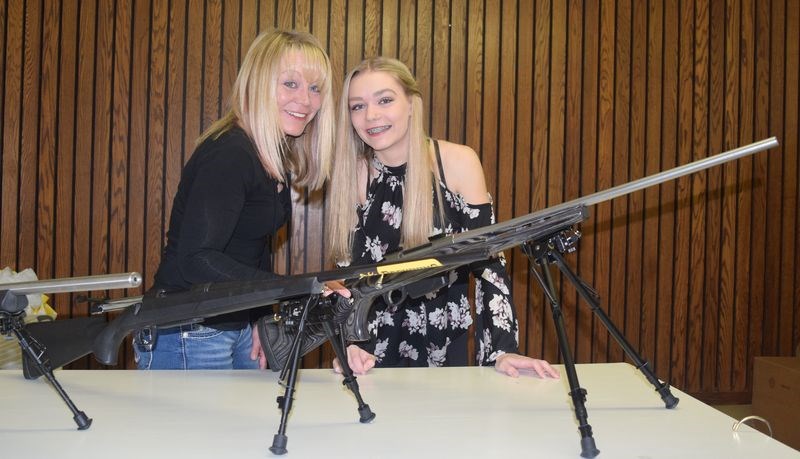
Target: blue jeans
x,y
197,347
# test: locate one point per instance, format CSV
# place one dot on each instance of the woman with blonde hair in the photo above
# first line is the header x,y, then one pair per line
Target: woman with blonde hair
x,y
407,188
234,194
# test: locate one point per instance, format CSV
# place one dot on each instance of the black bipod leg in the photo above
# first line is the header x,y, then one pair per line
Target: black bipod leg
x,y
38,355
289,378
670,401
365,413
539,255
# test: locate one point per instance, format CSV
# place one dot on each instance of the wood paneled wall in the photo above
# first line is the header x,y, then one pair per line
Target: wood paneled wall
x,y
101,101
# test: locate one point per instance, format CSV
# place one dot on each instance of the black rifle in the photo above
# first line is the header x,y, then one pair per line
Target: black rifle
x,y
544,236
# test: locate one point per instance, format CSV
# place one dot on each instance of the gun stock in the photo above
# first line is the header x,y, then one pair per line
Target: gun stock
x,y
474,245
65,340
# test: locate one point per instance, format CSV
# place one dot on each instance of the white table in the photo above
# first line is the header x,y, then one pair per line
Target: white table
x,y
451,412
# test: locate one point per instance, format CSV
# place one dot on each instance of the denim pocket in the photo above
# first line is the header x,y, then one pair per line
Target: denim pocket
x,y
200,331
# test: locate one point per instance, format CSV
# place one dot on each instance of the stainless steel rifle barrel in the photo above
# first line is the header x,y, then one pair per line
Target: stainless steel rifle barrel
x,y
671,174
75,284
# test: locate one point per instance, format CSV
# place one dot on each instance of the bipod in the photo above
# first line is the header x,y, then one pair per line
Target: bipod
x,y
15,323
548,251
313,311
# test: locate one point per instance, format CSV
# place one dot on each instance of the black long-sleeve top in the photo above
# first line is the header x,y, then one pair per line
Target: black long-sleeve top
x,y
223,216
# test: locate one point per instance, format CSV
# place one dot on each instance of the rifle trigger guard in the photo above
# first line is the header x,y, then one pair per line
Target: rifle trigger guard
x,y
396,297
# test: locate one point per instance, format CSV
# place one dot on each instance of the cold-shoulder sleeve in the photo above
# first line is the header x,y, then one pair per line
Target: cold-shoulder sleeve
x,y
496,327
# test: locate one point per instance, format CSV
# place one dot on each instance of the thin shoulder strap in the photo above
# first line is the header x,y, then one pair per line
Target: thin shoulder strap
x,y
439,162
369,177
369,172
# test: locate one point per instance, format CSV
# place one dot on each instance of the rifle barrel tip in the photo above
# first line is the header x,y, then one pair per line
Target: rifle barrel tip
x,y
135,279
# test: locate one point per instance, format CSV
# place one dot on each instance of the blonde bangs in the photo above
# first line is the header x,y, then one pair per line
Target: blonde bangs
x,y
316,67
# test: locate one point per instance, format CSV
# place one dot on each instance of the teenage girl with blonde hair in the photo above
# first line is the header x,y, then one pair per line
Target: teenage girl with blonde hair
x,y
407,188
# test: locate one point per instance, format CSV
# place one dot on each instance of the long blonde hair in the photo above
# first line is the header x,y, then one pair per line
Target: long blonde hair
x,y
351,152
253,108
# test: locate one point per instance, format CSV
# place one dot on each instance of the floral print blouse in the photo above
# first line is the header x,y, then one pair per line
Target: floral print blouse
x,y
419,331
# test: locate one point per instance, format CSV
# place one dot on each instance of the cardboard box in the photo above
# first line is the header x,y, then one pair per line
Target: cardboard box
x,y
776,396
